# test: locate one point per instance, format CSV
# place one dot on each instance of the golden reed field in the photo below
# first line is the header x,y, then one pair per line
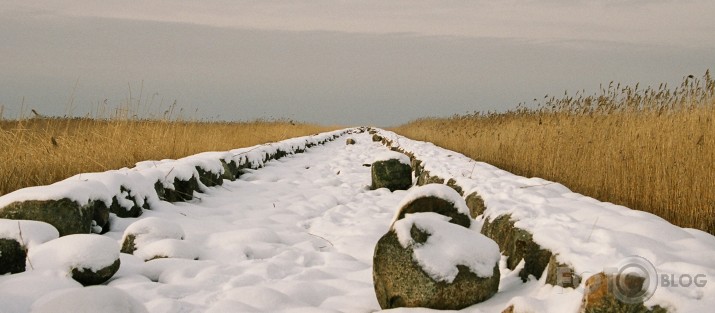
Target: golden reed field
x,y
650,149
40,151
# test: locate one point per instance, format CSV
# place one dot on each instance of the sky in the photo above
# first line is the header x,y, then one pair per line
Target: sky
x,y
351,63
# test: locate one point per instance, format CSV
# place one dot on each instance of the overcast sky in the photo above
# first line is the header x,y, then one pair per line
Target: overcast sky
x,y
344,62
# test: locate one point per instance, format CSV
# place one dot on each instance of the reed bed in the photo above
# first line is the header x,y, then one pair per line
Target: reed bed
x,y
649,149
40,150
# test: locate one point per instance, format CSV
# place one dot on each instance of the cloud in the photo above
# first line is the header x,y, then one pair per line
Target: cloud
x,y
684,23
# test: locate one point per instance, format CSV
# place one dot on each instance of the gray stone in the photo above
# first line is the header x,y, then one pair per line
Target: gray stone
x,y
66,215
599,295
475,203
87,277
400,282
12,257
391,174
436,205
518,245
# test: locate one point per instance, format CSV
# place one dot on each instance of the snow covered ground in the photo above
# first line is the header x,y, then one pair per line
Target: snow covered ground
x,y
294,236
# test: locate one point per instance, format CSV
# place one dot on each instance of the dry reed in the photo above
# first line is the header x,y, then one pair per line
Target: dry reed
x,y
40,150
649,149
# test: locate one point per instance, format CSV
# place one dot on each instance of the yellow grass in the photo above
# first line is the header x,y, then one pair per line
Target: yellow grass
x,y
40,151
650,150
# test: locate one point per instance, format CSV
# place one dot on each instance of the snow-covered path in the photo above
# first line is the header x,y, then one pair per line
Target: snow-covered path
x,y
296,235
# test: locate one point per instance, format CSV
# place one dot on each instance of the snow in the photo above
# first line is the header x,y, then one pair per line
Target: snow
x,y
447,246
171,248
152,229
28,233
298,234
392,155
433,190
19,291
88,300
88,251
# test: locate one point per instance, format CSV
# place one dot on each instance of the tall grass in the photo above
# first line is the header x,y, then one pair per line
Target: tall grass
x,y
40,150
650,149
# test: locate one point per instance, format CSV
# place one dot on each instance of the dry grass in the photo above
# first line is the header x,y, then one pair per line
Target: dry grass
x,y
40,151
650,150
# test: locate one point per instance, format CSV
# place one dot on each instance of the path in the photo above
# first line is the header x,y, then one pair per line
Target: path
x,y
297,235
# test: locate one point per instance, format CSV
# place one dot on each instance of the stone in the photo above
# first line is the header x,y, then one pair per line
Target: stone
x,y
148,230
89,259
12,256
376,138
436,205
599,295
560,274
125,205
183,190
399,281
208,178
69,217
518,245
392,174
88,277
100,216
350,141
230,170
475,203
425,178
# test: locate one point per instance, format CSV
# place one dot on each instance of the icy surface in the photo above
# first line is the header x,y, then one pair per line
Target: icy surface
x,y
392,155
28,233
433,190
93,252
447,246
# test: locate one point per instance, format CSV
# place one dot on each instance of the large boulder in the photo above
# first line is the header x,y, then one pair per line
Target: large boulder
x,y
426,261
438,199
391,170
16,236
69,217
89,259
148,230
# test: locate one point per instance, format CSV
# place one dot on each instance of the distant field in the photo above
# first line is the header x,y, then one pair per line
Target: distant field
x,y
649,149
40,151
